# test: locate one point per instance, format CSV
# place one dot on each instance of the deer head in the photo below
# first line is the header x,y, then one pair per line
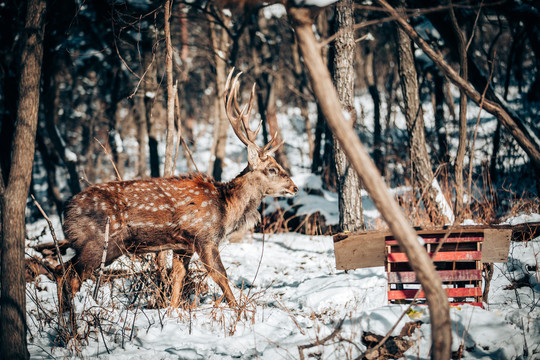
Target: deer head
x,y
274,179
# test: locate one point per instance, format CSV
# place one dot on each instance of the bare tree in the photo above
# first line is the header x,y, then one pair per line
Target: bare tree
x,y
168,169
13,201
326,95
219,43
463,72
342,58
421,164
478,84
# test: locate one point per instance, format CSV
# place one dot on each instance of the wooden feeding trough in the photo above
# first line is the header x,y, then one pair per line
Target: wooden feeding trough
x,y
459,261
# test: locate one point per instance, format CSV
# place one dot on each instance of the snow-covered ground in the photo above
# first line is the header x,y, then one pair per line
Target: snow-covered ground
x,y
291,290
294,296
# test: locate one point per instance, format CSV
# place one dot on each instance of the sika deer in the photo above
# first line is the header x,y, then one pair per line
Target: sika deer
x,y
189,213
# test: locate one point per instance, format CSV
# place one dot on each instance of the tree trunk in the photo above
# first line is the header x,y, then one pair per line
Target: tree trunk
x,y
218,40
51,100
374,92
349,187
13,201
150,88
421,165
168,168
327,97
440,121
266,94
142,136
460,156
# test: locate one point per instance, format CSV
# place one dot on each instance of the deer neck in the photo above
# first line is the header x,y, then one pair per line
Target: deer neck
x,y
243,196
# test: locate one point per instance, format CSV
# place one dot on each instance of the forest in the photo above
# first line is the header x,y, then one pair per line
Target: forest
x,y
393,115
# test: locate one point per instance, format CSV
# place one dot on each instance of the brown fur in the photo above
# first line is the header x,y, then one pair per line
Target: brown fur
x,y
190,213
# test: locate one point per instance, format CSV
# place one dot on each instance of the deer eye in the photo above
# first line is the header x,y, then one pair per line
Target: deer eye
x,y
272,171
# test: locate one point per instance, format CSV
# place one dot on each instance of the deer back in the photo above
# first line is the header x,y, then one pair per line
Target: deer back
x,y
146,213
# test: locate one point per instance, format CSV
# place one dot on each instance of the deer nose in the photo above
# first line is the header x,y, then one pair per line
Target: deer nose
x,y
295,189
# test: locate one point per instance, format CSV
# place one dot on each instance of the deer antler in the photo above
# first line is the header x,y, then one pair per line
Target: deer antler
x,y
240,120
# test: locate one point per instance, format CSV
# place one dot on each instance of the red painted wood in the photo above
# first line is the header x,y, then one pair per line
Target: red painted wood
x,y
453,292
479,304
408,277
441,256
439,239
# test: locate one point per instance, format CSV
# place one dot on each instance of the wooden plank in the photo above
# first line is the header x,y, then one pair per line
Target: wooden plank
x,y
496,244
479,304
436,240
441,256
409,277
355,251
451,292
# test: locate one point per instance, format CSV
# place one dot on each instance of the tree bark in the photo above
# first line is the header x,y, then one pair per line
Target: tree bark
x,y
349,187
327,97
168,168
13,202
462,144
376,97
218,41
150,88
266,94
440,121
421,164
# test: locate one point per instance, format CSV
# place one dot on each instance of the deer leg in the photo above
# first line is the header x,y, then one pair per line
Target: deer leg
x,y
209,255
181,261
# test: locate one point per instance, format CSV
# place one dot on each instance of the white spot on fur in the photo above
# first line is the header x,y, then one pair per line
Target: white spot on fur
x,y
204,204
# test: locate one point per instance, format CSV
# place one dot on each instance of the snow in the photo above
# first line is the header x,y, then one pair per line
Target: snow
x,y
442,203
294,295
290,286
318,3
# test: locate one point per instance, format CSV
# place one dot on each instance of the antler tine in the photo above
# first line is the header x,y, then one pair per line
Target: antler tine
x,y
252,135
269,148
228,82
240,120
230,95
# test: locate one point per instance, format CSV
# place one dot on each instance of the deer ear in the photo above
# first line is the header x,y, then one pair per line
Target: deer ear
x,y
253,156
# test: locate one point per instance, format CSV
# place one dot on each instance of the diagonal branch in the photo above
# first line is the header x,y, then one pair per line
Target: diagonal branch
x,y
524,139
327,98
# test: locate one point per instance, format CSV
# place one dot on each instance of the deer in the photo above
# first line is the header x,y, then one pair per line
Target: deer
x,y
191,213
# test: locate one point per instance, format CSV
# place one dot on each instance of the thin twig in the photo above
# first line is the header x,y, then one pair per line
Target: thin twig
x,y
180,139
110,158
53,234
480,108
322,341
